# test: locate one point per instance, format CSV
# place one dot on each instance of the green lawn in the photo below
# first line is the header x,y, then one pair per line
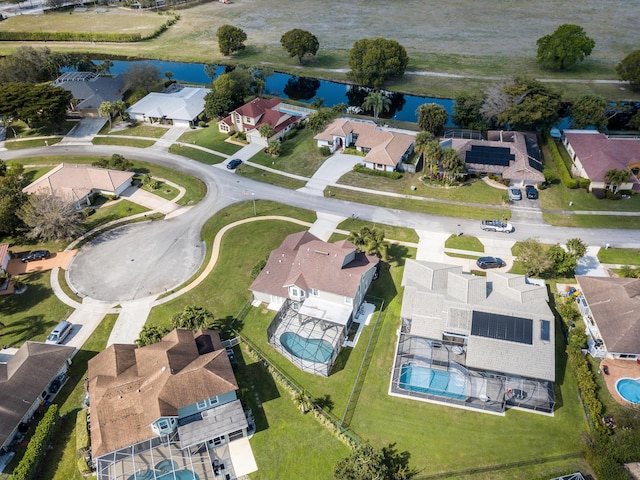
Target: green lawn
x,y
36,142
592,221
269,177
464,242
210,138
164,190
299,155
127,142
142,131
558,197
196,154
621,256
422,206
32,314
475,191
391,232
113,210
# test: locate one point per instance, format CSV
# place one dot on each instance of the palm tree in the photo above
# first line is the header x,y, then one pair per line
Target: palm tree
x,y
371,241
617,177
105,110
451,164
377,102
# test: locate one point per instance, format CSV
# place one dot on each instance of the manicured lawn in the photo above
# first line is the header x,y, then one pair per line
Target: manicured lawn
x,y
464,242
558,197
592,221
32,314
299,155
225,290
128,142
434,208
164,190
66,288
269,177
391,232
36,142
141,131
196,154
32,174
475,191
621,256
19,129
210,138
113,210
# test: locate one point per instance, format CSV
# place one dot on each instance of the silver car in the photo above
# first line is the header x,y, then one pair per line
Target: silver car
x,y
515,193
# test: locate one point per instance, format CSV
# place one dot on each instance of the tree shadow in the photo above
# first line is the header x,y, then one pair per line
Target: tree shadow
x,y
341,360
29,327
398,462
35,294
384,287
325,403
398,254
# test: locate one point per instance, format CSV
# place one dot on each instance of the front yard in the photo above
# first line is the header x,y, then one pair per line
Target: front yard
x,y
211,138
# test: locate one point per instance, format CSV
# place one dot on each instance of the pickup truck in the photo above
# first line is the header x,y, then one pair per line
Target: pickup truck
x,y
497,226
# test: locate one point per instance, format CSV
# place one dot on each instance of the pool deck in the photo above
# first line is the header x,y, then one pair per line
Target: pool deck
x,y
619,369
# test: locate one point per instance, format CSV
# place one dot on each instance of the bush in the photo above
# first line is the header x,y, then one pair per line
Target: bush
x,y
565,175
610,195
549,176
88,211
290,134
257,268
202,124
599,193
82,432
83,466
37,448
378,173
324,151
584,183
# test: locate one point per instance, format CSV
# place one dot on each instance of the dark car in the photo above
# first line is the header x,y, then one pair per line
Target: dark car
x,y
532,193
36,255
233,164
490,262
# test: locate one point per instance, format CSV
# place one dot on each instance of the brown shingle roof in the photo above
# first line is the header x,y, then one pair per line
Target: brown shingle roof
x,y
73,182
615,307
132,387
598,153
308,262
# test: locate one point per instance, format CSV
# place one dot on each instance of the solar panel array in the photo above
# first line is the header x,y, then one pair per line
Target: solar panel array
x,y
502,327
498,156
533,151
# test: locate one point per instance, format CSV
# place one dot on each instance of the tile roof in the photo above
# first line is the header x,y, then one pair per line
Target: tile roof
x,y
439,297
386,148
184,104
307,262
615,307
131,387
598,153
73,182
257,107
24,377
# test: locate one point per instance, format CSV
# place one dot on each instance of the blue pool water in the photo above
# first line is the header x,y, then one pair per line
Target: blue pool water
x,y
311,349
629,389
434,382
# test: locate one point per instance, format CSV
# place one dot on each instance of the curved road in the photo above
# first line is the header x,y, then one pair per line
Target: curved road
x,y
140,260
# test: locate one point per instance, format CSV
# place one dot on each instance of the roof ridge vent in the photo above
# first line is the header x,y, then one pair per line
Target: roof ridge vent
x,y
321,252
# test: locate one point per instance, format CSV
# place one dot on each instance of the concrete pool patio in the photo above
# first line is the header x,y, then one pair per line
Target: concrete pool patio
x,y
619,369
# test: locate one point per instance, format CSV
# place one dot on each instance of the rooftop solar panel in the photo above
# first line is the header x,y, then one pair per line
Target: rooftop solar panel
x,y
502,327
486,155
545,330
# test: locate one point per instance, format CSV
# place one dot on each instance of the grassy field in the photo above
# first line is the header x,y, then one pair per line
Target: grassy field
x,y
621,256
463,37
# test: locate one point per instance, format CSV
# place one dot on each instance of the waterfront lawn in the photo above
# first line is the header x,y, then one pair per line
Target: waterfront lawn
x,y
620,256
299,155
464,242
211,138
475,191
196,154
400,234
266,176
32,314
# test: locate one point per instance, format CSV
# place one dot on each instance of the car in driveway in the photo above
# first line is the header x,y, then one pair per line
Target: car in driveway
x,y
233,164
490,262
515,193
36,255
532,193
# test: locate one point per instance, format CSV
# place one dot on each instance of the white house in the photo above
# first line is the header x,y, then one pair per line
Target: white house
x,y
180,107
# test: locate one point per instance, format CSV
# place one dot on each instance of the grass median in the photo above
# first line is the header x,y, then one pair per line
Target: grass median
x,y
266,176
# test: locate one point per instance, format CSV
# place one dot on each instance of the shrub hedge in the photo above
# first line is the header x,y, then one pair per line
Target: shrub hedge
x,y
37,448
82,432
378,173
564,173
40,36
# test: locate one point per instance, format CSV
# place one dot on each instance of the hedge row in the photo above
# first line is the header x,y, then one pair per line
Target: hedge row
x,y
564,173
37,448
40,36
587,386
82,432
378,173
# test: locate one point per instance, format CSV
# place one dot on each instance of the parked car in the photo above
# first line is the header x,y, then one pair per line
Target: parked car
x,y
233,164
58,334
36,255
497,226
532,193
490,262
515,193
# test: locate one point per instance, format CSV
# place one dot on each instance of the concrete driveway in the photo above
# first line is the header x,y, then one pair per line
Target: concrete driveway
x,y
330,172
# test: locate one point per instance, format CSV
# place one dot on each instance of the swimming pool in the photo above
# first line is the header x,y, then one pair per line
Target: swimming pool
x,y
450,384
311,349
629,389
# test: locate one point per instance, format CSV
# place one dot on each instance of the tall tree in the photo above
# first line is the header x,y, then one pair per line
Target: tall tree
x,y
377,102
320,119
368,463
534,257
432,117
228,91
466,111
50,218
576,248
106,110
299,43
192,318
266,130
565,47
28,65
629,69
35,104
151,334
371,241
231,39
451,164
142,76
589,111
564,263
374,61
11,198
